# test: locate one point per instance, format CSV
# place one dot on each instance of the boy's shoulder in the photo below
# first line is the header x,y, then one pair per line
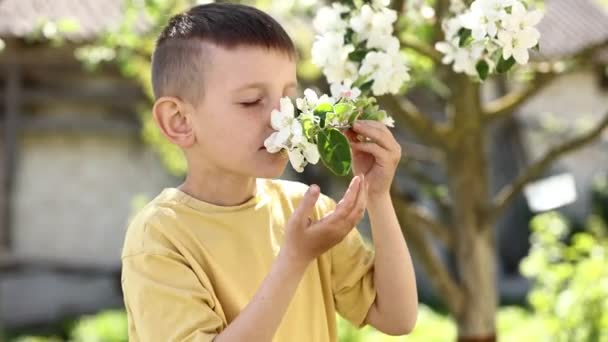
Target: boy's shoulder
x,y
144,231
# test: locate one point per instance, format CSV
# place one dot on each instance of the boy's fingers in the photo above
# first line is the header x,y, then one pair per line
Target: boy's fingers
x,y
348,201
306,206
351,135
375,131
374,149
358,209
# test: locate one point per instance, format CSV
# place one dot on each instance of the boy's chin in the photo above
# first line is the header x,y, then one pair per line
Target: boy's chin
x,y
270,171
272,167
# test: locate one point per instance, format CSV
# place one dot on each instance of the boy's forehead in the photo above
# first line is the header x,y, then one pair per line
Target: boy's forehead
x,y
247,64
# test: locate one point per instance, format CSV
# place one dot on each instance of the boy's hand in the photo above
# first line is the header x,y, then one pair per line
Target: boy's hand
x,y
376,159
306,240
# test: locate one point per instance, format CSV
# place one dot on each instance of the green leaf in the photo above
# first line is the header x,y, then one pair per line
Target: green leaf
x,y
366,87
321,111
465,37
335,151
505,65
308,126
329,117
343,110
357,55
482,69
372,113
354,116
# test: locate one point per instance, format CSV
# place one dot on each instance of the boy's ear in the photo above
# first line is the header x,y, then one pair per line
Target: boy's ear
x,y
171,117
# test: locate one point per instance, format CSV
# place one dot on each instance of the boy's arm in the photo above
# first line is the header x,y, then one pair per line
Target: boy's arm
x,y
395,309
262,316
377,156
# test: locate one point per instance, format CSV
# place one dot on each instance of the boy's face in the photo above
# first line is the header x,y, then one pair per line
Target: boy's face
x,y
241,88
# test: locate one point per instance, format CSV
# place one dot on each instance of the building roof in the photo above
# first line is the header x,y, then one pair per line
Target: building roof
x,y
18,18
570,26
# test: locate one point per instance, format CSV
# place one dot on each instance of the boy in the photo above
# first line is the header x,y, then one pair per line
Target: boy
x,y
231,254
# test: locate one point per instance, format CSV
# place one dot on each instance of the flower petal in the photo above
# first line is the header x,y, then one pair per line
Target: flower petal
x,y
311,152
297,159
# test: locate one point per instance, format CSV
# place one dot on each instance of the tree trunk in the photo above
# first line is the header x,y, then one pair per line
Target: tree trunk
x,y
474,247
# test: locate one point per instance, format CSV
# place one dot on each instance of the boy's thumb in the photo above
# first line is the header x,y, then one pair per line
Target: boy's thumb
x,y
304,210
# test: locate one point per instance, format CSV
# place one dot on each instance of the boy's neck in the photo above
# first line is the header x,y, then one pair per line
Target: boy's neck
x,y
221,190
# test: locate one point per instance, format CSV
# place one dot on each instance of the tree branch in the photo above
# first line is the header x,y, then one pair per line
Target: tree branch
x,y
421,47
397,5
441,10
413,229
422,218
506,105
421,153
509,192
427,185
410,116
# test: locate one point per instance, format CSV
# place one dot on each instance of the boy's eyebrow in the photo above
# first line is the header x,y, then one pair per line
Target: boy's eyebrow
x,y
262,85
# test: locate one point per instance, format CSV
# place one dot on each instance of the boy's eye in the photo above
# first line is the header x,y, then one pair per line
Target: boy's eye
x,y
250,103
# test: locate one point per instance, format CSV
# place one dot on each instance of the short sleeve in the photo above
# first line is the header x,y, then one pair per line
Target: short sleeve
x,y
352,274
165,301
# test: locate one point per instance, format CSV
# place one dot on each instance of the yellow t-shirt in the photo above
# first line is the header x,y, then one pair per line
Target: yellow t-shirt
x,y
190,267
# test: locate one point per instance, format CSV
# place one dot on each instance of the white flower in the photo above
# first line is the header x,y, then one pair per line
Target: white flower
x,y
517,44
344,90
331,54
389,121
297,159
388,71
388,43
451,27
464,58
277,141
449,51
289,133
311,100
284,116
339,72
329,47
310,151
375,61
362,22
457,6
373,26
285,125
483,17
330,19
520,19
381,3
302,154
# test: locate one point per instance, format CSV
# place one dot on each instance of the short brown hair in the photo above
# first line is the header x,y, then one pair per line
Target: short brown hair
x,y
177,62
